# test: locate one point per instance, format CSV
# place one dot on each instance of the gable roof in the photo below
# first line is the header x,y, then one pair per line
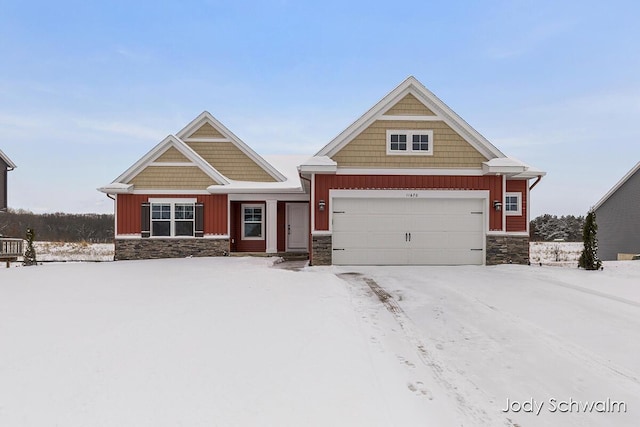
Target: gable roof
x,y
412,86
206,117
120,184
617,186
7,160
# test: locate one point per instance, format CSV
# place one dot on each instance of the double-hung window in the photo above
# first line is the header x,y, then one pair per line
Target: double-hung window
x,y
172,217
253,222
513,203
410,142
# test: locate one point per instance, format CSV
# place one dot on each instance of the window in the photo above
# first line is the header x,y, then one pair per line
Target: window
x,y
513,204
253,222
398,142
411,142
172,218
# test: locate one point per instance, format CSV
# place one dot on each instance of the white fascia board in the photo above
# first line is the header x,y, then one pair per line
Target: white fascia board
x,y
184,149
205,116
413,86
528,175
409,171
318,164
323,169
116,188
508,233
7,160
245,189
409,194
250,197
617,186
138,237
503,170
171,192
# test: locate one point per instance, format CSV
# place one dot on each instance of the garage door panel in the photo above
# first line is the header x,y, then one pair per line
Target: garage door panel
x,y
375,231
451,222
446,206
370,257
365,239
445,240
445,257
370,222
379,206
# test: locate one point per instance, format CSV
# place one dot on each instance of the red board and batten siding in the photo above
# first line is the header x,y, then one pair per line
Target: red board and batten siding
x,y
215,211
518,222
323,183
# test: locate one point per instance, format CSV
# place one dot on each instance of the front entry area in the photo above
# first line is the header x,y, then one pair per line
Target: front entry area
x,y
297,222
408,231
269,226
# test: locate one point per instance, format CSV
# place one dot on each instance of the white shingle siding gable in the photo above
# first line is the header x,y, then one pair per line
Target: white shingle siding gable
x,y
618,219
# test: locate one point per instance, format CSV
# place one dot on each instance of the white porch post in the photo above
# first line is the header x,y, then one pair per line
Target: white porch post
x,y
272,226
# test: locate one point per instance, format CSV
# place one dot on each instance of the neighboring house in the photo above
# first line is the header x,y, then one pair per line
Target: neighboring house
x,y
409,182
5,165
618,218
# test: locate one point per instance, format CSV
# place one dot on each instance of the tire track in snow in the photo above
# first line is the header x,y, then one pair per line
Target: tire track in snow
x,y
440,373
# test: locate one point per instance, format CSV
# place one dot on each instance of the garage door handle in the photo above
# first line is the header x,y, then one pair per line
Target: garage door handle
x,y
476,249
409,236
406,237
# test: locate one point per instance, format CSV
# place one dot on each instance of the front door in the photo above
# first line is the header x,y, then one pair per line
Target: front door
x,y
297,227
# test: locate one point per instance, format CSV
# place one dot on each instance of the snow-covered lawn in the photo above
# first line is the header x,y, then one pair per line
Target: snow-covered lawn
x,y
70,251
550,253
555,253
235,342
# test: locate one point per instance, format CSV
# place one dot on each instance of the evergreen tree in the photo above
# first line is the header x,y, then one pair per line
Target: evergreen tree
x,y
30,253
589,258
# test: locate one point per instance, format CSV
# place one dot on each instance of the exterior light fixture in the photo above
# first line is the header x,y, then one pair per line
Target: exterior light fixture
x,y
321,205
497,205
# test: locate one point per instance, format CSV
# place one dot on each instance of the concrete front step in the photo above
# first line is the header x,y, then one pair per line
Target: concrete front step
x,y
287,256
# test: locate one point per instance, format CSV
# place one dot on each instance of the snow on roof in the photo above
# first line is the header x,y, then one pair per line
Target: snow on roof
x,y
514,167
318,164
287,165
617,186
117,188
7,160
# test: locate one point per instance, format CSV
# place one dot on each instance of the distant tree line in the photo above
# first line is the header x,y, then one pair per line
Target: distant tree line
x,y
58,227
547,228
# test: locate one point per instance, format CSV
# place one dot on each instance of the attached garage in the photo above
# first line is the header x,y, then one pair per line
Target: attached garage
x,y
408,227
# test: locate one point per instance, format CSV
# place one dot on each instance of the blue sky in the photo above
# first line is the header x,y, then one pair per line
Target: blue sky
x,y
87,88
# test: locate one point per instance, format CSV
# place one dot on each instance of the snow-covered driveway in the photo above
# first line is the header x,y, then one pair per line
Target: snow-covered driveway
x,y
234,342
542,337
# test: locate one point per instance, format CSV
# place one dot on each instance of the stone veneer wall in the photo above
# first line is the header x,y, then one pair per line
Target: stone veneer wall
x,y
321,250
507,250
130,249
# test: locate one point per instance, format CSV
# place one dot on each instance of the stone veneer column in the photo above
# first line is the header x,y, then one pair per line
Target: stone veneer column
x,y
321,250
507,250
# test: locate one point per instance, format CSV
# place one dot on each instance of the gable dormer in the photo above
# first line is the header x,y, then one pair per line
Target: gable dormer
x,y
410,128
226,152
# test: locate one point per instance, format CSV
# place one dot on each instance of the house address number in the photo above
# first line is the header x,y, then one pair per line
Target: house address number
x,y
412,195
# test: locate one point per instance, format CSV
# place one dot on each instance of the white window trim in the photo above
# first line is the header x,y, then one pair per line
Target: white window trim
x,y
513,194
410,151
253,205
172,221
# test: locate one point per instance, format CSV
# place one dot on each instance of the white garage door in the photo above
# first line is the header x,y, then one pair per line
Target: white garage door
x,y
422,231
